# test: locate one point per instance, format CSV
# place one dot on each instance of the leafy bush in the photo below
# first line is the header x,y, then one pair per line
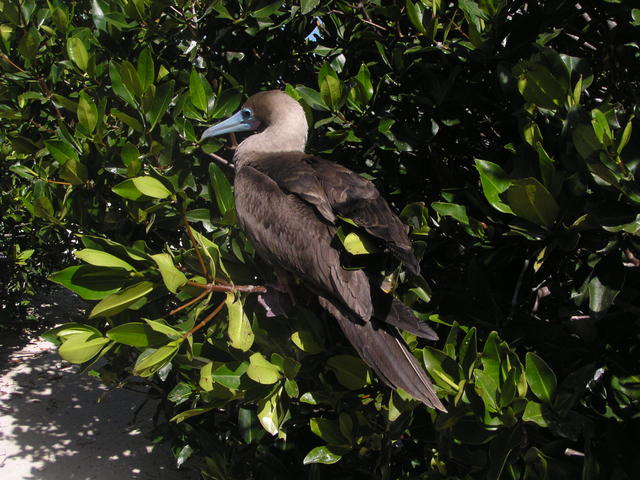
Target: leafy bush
x,y
503,132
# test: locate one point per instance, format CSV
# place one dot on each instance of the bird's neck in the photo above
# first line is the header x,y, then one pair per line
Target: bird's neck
x,y
280,137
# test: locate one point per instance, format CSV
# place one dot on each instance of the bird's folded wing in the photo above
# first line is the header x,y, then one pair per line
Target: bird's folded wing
x,y
337,191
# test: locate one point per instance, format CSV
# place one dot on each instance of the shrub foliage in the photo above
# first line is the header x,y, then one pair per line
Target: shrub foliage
x,y
503,131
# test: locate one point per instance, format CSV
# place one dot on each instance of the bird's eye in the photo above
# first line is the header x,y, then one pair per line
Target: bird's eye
x,y
246,113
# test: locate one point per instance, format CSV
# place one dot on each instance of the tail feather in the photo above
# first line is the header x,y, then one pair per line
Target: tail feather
x,y
394,312
386,353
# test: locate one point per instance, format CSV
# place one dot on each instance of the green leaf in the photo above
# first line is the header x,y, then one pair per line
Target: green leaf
x,y
491,357
239,331
330,87
328,430
487,388
359,244
321,455
529,199
453,210
365,87
229,376
61,151
308,5
305,341
160,104
415,11
82,347
537,413
60,333
206,379
267,11
145,69
601,127
91,283
129,76
311,97
539,86
119,87
87,112
494,182
73,172
128,120
102,259
77,53
161,327
172,277
121,300
221,188
137,334
585,140
626,134
262,371
352,372
197,92
269,414
226,103
249,426
130,156
540,377
152,360
180,393
140,187
194,412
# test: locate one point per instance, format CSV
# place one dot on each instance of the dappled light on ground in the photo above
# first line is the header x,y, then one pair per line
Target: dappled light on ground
x,y
56,424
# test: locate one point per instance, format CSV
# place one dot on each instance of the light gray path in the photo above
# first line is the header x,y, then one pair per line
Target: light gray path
x,y
53,428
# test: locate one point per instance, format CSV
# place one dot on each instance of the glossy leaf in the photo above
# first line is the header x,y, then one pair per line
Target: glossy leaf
x,y
81,347
160,104
136,334
91,283
262,371
221,188
352,373
145,69
321,455
102,259
87,112
172,277
494,182
197,91
152,360
140,187
239,331
529,199
77,52
117,302
540,377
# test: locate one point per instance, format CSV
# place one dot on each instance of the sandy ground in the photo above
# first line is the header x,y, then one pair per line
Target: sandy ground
x,y
56,424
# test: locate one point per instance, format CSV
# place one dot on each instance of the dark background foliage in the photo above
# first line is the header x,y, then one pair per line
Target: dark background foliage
x,y
503,131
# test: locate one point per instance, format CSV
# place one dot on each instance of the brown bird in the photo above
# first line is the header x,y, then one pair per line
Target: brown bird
x,y
288,203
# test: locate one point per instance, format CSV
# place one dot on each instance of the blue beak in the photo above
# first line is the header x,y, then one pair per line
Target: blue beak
x,y
238,122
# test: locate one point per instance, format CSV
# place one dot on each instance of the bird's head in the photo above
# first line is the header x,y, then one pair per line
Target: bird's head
x,y
262,110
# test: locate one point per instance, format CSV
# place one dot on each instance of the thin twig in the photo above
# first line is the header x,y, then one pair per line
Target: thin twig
x,y
205,320
48,93
516,291
190,302
222,161
373,24
8,60
210,287
57,182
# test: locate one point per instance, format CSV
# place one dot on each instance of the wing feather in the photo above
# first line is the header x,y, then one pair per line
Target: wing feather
x,y
334,190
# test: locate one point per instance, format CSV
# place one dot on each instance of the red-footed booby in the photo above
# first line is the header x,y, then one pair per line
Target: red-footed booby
x,y
288,203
